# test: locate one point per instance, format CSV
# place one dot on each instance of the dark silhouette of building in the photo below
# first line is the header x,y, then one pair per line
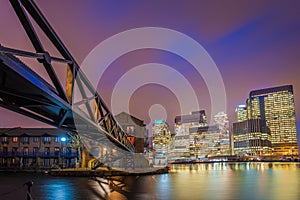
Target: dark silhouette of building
x,y
195,116
135,128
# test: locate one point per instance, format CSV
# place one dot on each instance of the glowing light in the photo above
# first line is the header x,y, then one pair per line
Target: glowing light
x,y
159,121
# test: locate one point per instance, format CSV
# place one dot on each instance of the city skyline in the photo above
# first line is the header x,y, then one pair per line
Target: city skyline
x,y
254,46
150,99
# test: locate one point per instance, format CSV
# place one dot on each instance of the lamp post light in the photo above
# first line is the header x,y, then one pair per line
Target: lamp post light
x,y
104,151
62,141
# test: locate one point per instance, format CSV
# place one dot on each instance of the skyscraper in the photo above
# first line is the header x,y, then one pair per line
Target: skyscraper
x,y
241,113
276,107
221,120
196,139
161,141
183,125
251,137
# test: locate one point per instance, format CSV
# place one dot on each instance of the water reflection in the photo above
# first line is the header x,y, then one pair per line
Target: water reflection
x,y
233,166
236,181
60,189
269,181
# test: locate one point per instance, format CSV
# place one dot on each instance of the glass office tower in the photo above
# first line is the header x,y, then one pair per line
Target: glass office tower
x,y
241,113
276,106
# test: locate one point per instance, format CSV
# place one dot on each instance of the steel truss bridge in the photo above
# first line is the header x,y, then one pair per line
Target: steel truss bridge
x,y
23,91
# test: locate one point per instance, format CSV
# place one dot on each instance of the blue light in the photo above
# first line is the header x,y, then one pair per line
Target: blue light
x,y
159,121
63,139
242,106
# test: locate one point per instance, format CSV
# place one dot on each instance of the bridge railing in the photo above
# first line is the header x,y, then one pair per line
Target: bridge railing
x,y
58,108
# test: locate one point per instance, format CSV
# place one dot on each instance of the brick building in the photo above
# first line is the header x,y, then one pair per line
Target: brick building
x,y
133,127
36,148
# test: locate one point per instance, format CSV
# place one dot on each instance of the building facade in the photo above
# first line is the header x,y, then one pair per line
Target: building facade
x,y
135,128
252,137
241,113
196,117
36,148
208,141
276,106
221,120
196,139
211,140
161,140
183,125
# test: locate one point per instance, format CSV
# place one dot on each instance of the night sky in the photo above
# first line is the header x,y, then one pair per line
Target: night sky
x,y
254,44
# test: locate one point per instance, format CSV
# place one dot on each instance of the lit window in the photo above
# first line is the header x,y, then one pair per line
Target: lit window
x,y
15,139
47,139
56,151
25,139
36,139
35,150
4,140
25,151
130,130
47,151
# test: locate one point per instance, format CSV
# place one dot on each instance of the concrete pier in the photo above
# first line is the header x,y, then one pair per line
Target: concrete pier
x,y
102,172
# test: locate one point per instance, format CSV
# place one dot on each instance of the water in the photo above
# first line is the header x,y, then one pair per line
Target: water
x,y
266,181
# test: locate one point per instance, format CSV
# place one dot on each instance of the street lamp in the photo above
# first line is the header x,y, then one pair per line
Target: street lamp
x,y
104,151
62,140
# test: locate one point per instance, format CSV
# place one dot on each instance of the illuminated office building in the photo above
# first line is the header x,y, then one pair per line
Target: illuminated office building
x,y
241,113
161,141
276,107
196,139
210,140
183,124
252,137
221,120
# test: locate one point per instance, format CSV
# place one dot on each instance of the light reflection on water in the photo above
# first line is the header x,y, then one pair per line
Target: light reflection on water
x,y
46,187
268,181
235,181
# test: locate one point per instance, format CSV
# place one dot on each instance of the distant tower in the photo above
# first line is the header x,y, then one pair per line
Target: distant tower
x,y
183,126
276,107
161,132
161,141
221,120
241,113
